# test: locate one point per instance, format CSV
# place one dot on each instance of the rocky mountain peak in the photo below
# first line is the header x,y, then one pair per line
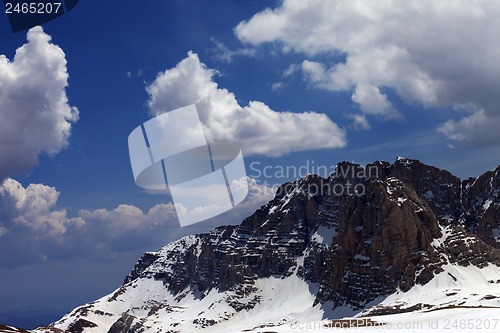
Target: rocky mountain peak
x,y
362,233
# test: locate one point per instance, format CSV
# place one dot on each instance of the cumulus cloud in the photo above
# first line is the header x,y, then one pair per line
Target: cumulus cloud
x,y
372,100
31,214
35,116
258,128
477,128
125,218
34,229
33,208
429,53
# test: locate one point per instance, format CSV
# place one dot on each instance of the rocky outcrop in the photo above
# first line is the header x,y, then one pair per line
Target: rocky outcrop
x,y
481,202
381,221
438,187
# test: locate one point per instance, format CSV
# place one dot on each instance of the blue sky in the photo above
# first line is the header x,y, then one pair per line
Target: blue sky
x,y
291,81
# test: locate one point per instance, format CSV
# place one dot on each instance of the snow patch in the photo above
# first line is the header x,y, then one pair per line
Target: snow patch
x,y
487,204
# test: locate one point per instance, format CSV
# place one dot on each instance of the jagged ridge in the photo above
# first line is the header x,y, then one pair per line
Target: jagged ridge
x,y
396,229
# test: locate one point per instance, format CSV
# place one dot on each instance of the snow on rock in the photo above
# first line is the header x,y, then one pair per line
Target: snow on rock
x,y
418,246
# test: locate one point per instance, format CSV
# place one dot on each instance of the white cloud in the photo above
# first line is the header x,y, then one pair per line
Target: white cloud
x,y
258,128
277,86
478,128
291,70
372,101
130,74
35,116
286,77
257,194
223,53
33,207
128,217
359,121
430,53
33,227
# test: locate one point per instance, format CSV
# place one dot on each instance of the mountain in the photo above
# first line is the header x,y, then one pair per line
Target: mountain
x,y
374,242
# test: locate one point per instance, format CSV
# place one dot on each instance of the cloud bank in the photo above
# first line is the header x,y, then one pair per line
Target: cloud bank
x,y
35,116
429,53
256,127
33,228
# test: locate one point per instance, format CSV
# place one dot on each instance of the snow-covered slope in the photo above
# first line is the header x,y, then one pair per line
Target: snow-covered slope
x,y
459,298
150,307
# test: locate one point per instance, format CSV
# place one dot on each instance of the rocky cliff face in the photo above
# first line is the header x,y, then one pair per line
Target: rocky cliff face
x,y
480,212
361,234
